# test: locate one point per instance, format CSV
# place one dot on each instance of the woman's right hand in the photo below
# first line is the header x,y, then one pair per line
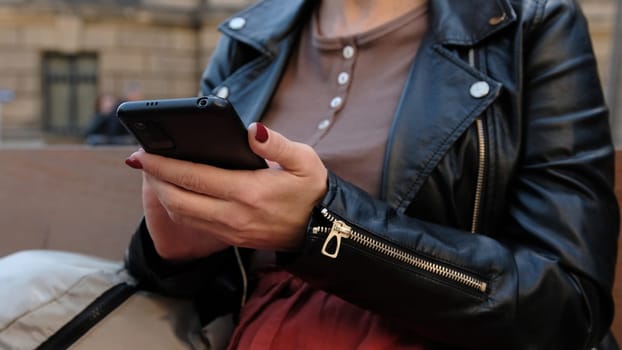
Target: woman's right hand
x,y
173,241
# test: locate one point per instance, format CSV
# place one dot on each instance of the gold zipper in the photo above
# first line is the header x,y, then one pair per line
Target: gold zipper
x,y
481,172
341,230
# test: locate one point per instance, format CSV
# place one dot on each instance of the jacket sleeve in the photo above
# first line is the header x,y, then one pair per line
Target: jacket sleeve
x,y
542,281
216,277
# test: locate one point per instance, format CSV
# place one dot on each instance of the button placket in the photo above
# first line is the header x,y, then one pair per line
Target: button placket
x,y
348,52
336,102
344,77
324,124
342,82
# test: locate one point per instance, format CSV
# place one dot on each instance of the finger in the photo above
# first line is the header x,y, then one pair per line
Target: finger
x,y
181,204
222,219
199,178
294,157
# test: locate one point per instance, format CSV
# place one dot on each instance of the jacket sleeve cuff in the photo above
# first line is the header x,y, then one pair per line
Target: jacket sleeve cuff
x,y
177,279
289,260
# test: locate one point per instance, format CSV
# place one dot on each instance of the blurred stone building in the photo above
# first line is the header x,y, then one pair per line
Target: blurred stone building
x,y
56,56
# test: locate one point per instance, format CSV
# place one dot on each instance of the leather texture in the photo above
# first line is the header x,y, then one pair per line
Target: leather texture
x,y
546,218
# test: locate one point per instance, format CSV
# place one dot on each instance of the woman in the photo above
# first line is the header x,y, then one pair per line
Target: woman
x,y
468,200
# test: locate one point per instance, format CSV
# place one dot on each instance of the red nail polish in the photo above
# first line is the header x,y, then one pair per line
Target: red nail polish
x,y
133,163
262,133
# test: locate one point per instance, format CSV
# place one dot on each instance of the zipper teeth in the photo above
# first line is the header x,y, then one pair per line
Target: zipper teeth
x,y
405,257
321,230
480,174
330,217
418,262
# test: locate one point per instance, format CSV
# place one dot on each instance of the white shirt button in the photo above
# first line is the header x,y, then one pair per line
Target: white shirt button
x,y
223,92
237,23
348,52
343,78
479,89
323,124
336,102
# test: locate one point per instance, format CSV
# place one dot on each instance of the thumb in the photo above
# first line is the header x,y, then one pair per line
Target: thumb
x,y
291,156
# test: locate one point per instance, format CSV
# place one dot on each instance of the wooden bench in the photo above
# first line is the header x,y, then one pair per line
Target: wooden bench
x,y
86,200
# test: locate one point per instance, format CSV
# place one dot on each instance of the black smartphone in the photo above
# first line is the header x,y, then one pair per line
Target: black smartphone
x,y
204,130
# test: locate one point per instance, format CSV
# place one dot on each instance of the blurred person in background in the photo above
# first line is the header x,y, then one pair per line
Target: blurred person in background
x,y
105,128
96,132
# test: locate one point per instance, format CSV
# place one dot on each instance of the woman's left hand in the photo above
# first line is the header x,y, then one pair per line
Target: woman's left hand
x,y
261,209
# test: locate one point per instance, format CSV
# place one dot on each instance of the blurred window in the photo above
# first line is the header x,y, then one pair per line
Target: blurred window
x,y
70,90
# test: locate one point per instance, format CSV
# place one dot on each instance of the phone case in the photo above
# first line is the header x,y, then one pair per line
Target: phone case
x,y
203,130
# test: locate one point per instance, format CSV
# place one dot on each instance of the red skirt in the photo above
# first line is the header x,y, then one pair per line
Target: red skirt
x,y
284,312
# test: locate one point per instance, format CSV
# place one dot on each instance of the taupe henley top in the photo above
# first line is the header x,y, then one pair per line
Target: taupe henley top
x,y
339,94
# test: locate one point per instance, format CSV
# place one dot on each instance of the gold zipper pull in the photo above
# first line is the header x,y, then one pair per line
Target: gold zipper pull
x,y
338,231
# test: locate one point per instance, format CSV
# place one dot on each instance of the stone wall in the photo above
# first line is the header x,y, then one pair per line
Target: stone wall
x,y
600,15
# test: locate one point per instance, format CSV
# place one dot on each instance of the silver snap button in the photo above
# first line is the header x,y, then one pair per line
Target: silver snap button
x,y
479,89
343,78
223,92
237,23
336,102
348,52
323,124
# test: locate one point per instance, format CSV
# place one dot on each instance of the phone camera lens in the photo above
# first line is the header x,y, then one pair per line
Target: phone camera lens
x,y
140,126
202,102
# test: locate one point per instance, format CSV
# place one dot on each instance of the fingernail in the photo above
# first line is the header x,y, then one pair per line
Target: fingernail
x,y
133,163
262,133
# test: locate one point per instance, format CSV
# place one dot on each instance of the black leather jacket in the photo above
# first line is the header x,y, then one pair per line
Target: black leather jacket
x,y
498,223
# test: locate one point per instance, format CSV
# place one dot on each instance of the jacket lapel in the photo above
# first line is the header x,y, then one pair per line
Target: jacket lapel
x,y
266,23
254,90
436,107
271,27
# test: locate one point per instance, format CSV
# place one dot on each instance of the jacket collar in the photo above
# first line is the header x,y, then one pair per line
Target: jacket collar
x,y
453,21
266,23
